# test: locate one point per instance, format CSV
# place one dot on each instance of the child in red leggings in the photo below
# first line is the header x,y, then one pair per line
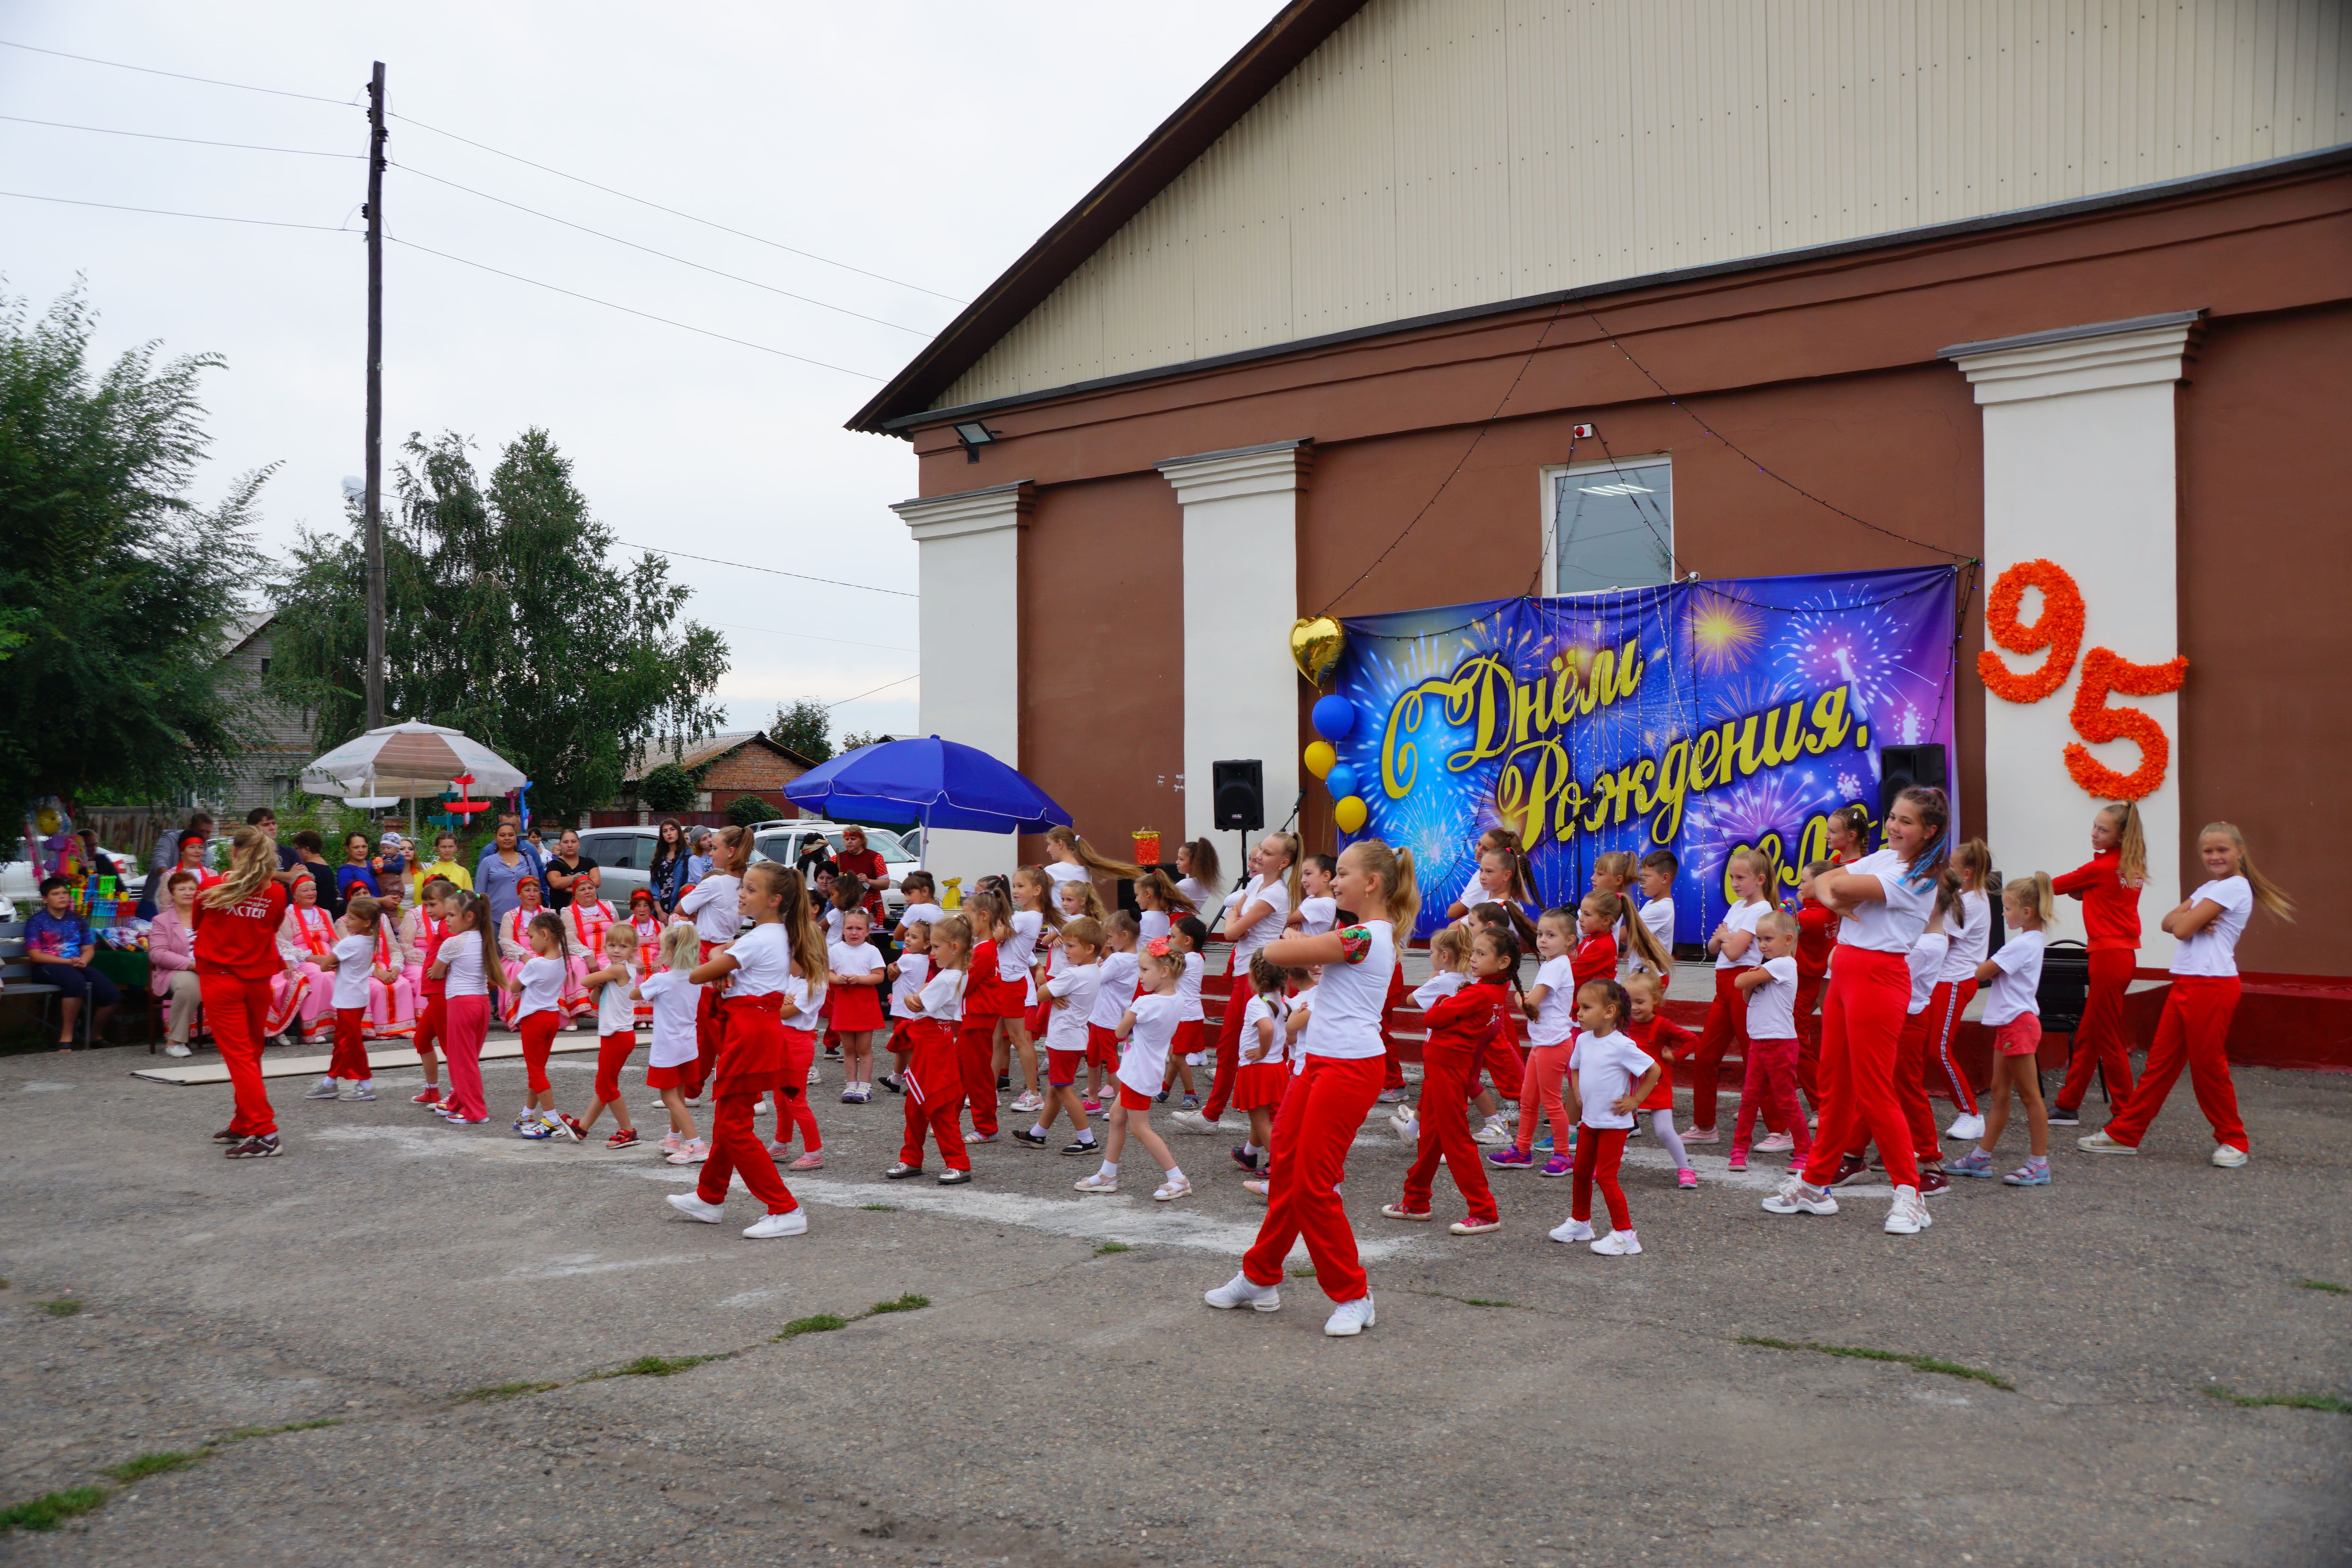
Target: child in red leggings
x,y
933,1077
1457,1024
804,1011
1612,1077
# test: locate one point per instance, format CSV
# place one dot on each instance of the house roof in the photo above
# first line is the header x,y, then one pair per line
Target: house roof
x,y
242,629
1182,137
710,749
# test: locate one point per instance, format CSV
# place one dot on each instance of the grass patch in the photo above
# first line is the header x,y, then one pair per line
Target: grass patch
x,y
2327,1402
1863,1353
1482,1302
144,1465
909,1302
1305,1273
242,1433
52,1509
2329,1286
1111,1247
501,1391
816,1323
658,1366
879,1208
63,1307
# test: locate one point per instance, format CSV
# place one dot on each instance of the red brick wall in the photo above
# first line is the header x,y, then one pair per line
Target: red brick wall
x,y
752,769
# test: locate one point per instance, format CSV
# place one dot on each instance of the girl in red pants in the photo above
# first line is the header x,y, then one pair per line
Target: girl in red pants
x,y
933,1076
984,1002
1456,1026
2109,884
468,965
805,1012
428,925
1326,1107
1271,893
1882,902
757,966
1550,1007
537,987
1967,917
1734,947
237,958
1613,1077
2196,1024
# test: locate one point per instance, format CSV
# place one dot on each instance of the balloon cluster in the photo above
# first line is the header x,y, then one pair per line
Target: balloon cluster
x,y
1333,717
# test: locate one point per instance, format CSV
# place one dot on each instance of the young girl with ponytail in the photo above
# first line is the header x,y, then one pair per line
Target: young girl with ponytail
x,y
2197,1010
468,965
1070,858
236,921
1456,1026
983,1003
1198,874
2012,1016
1733,947
2109,884
1968,925
1271,893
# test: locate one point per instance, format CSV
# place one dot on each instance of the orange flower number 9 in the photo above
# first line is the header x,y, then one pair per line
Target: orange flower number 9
x,y
2059,629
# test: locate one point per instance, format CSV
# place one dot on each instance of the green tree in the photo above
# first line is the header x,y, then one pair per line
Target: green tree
x,y
116,591
804,725
502,620
857,738
667,787
749,811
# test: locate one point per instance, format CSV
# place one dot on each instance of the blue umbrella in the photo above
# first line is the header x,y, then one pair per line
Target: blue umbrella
x,y
939,783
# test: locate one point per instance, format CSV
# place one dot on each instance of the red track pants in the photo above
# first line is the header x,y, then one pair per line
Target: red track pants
x,y
1911,1087
1445,1134
237,1009
350,1060
1229,1044
2192,1031
1598,1152
432,1022
1945,1006
976,1047
933,1078
1319,1120
735,1149
1770,1085
538,1031
1861,1028
793,1108
2100,1040
469,1024
1809,1040
1392,1062
709,1034
1499,1058
1726,1020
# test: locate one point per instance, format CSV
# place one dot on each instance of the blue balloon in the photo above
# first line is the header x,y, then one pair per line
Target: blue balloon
x,y
1334,717
1340,781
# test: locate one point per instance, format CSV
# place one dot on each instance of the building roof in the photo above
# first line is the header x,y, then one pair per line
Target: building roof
x,y
242,629
709,749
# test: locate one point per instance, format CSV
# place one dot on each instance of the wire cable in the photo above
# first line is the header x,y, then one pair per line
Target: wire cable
x,y
177,76
649,250
778,631
863,695
771,571
192,141
167,212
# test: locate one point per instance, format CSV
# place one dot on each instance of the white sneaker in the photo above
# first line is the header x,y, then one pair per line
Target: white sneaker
x,y
792,1224
1796,1197
1239,1291
1349,1318
1029,1100
1968,1128
1909,1216
1491,1133
1618,1244
1168,1192
2100,1143
175,1050
1408,1130
1775,1142
1572,1230
1191,1121
693,1207
2228,1157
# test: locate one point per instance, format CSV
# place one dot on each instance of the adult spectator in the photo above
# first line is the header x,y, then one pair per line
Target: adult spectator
x,y
288,858
563,868
443,864
61,943
165,857
857,860
311,861
667,878
172,955
355,873
697,863
192,847
507,861
815,856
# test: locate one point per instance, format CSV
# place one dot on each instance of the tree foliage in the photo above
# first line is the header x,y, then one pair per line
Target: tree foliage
x,y
749,811
857,738
502,620
667,787
806,726
116,591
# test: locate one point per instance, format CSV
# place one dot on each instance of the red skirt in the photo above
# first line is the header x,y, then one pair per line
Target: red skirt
x,y
856,1007
1260,1085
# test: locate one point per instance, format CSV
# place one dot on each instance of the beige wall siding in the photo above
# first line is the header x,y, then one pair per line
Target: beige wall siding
x,y
1439,153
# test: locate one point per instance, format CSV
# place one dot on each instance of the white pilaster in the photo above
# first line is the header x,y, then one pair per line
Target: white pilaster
x,y
969,562
2080,469
1241,595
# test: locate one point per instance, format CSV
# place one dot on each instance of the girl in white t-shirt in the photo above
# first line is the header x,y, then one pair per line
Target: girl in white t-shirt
x,y
1118,988
612,987
922,909
1656,879
1148,1031
854,991
2195,1025
907,975
1968,925
1185,939
1263,1077
1033,916
1317,911
1070,998
1198,875
2012,1016
1160,904
933,1077
466,964
538,986
1733,947
674,998
1264,906
1609,1076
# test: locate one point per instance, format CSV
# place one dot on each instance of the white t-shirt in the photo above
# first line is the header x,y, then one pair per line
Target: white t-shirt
x,y
1742,917
1114,988
843,959
1966,948
1473,893
1018,951
1152,924
712,908
914,969
1346,1022
1302,1002
2017,978
675,999
1927,959
2214,950
1197,890
1771,1006
1441,984
833,918
1188,990
1317,915
942,996
1606,1066
1658,914
763,956
1555,1017
355,957
542,982
1066,1027
1273,1010
462,952
925,914
1894,925
803,1007
1144,1059
1060,871
1275,893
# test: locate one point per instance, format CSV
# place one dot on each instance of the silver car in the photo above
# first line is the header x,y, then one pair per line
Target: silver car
x,y
623,857
785,840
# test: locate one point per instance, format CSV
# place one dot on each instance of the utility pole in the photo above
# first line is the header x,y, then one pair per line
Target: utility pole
x,y
375,401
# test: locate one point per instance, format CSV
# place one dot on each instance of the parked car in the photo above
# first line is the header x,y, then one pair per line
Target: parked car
x,y
785,840
623,857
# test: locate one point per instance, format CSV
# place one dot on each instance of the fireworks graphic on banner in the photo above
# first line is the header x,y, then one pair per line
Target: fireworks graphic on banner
x,y
1724,632
1855,645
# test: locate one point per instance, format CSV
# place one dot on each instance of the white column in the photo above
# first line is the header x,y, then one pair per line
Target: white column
x,y
2079,469
1241,595
969,576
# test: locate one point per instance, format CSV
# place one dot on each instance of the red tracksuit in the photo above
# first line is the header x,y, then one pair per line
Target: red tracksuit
x,y
792,1109
1911,1087
1229,1040
1861,1029
751,1061
935,1095
709,1030
236,957
1392,1062
976,1040
1946,1006
350,1059
1816,934
2111,916
2193,1032
433,997
1726,1021
1456,1027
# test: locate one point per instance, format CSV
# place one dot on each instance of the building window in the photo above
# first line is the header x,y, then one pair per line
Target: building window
x,y
1609,524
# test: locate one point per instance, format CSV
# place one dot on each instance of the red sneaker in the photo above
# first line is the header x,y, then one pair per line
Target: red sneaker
x,y
432,1095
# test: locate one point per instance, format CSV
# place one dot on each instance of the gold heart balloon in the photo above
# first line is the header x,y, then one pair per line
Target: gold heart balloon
x,y
1315,647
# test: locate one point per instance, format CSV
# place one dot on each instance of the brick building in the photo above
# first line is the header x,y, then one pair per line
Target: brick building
x,y
741,763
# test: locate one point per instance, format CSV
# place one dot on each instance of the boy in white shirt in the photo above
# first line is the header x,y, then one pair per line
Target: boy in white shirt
x,y
907,975
1071,996
1771,988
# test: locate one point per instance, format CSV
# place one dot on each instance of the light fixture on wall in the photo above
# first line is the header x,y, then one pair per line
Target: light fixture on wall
x,y
974,436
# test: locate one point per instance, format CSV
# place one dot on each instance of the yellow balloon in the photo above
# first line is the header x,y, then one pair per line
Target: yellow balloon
x,y
1321,758
1315,647
1349,814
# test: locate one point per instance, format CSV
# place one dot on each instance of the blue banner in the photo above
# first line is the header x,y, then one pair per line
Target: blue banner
x,y
1703,718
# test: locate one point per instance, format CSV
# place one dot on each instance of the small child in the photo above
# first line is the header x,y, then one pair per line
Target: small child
x,y
1317,911
1302,1010
1456,1026
922,909
614,987
1149,1028
1655,878
1613,1075
1263,1077
907,973
428,925
671,1064
934,1075
1550,1006
1118,987
356,963
1771,1029
1186,937
1733,948
855,985
2012,1015
1449,972
1070,998
1661,1037
536,988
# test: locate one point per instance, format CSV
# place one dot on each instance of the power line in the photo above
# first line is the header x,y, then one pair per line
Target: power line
x,y
778,631
674,212
165,212
629,310
192,141
178,75
771,571
649,250
863,695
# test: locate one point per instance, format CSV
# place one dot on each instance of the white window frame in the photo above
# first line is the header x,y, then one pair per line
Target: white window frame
x,y
1548,502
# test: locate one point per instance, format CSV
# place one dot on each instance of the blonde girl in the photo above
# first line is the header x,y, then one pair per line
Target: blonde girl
x,y
236,921
1070,859
611,986
1549,1005
2108,884
2012,1017
1326,1107
854,989
2195,1025
1160,903
1449,972
907,974
1070,998
1263,1076
466,963
1198,875
1733,948
1264,905
1120,933
674,998
935,1071
1146,1030
1967,925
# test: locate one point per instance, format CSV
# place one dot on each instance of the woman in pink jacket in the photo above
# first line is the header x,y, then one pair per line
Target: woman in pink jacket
x,y
171,959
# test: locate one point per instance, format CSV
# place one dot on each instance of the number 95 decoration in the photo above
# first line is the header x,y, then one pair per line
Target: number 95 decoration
x,y
2059,628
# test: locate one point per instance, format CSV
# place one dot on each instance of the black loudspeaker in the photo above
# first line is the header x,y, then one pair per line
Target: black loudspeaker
x,y
1902,767
2065,986
1238,793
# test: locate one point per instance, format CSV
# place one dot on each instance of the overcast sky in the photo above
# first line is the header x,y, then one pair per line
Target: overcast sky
x,y
930,143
